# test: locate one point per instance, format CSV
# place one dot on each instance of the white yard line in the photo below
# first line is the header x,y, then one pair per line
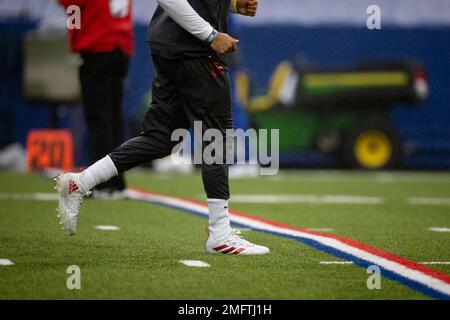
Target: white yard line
x,y
266,198
335,262
6,262
429,201
314,199
29,196
409,177
195,263
439,229
107,228
379,177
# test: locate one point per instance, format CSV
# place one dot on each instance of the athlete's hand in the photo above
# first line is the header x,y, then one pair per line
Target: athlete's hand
x,y
224,44
247,7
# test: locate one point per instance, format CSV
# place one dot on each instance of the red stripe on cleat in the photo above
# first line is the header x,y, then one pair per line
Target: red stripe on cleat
x,y
229,250
220,247
239,251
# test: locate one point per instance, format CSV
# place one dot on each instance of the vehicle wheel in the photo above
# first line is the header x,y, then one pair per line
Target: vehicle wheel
x,y
372,146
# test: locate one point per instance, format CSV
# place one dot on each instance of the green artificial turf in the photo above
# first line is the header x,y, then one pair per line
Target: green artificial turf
x,y
142,259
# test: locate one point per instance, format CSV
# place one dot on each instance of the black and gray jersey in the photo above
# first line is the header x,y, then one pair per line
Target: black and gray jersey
x,y
169,40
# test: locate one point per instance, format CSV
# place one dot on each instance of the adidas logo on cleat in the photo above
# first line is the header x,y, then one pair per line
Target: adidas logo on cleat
x,y
72,186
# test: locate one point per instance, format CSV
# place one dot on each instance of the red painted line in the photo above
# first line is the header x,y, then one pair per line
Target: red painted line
x,y
375,251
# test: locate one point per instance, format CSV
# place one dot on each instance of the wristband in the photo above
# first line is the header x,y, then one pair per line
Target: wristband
x,y
212,36
234,6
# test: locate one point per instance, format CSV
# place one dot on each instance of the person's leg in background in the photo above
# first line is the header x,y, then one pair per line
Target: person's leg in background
x,y
102,78
120,74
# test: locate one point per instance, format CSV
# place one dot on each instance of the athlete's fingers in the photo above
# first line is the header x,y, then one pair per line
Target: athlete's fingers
x,y
252,8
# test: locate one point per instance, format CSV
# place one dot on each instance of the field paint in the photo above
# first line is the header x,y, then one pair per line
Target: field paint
x,y
386,177
307,198
412,274
436,229
107,228
29,196
378,177
436,262
335,262
429,201
6,262
195,263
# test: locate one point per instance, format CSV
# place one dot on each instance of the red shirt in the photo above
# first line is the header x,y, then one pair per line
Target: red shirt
x,y
105,25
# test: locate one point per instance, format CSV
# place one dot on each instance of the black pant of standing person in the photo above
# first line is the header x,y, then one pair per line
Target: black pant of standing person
x,y
102,78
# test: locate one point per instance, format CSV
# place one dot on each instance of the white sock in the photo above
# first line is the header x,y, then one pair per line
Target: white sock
x,y
219,219
99,172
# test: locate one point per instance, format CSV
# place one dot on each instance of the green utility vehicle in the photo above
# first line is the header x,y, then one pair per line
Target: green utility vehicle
x,y
341,111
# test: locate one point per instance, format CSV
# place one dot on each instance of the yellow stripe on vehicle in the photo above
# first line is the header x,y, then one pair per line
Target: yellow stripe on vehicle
x,y
356,79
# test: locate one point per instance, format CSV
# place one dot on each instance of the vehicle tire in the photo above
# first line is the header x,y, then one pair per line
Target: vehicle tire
x,y
373,145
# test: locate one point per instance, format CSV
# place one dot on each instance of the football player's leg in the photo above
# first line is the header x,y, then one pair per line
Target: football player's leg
x,y
153,142
206,97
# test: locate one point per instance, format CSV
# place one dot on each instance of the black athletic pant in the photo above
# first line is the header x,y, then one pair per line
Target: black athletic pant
x,y
184,91
102,76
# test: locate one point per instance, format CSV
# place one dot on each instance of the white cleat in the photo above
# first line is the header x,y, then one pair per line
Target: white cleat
x,y
235,244
70,198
